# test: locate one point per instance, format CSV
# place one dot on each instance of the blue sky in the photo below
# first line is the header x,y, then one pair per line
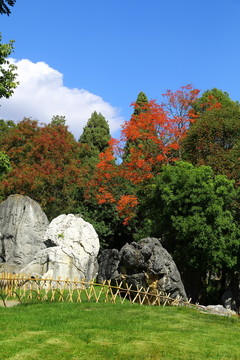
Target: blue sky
x,y
101,54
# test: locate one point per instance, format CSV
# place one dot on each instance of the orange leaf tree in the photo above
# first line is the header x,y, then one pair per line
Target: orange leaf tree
x,y
45,165
179,109
153,136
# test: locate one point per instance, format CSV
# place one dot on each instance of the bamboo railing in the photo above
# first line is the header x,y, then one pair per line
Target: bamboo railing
x,y
25,288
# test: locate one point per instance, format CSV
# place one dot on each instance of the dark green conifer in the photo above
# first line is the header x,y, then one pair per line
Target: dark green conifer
x,y
140,104
95,138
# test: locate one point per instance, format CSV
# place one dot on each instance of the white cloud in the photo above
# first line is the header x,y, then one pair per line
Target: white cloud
x,y
41,94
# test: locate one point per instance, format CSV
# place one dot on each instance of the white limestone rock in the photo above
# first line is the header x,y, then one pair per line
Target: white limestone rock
x,y
22,228
72,249
73,232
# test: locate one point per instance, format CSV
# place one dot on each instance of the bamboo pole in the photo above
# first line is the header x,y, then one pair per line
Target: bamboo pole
x,y
22,285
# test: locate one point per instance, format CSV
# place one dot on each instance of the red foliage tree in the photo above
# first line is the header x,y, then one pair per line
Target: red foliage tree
x,y
45,165
154,138
179,109
155,134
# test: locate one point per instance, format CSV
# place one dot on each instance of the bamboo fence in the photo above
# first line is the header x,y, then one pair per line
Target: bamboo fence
x,y
25,289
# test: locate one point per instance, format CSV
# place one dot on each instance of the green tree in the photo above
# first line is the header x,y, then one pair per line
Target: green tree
x,y
94,139
4,6
7,71
211,99
5,165
214,138
5,126
58,120
140,103
192,210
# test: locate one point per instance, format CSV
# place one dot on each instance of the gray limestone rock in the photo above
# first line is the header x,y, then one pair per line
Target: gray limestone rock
x,y
22,228
142,264
231,297
109,261
217,310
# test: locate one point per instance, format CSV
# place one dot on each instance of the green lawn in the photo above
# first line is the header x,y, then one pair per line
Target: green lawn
x,y
113,331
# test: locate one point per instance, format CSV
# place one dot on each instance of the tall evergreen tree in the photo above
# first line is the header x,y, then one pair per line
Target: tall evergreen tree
x,y
104,217
94,139
139,106
141,101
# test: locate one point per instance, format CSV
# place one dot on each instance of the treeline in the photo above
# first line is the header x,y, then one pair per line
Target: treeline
x,y
173,174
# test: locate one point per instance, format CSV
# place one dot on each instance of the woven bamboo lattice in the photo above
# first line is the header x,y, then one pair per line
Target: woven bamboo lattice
x,y
25,288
